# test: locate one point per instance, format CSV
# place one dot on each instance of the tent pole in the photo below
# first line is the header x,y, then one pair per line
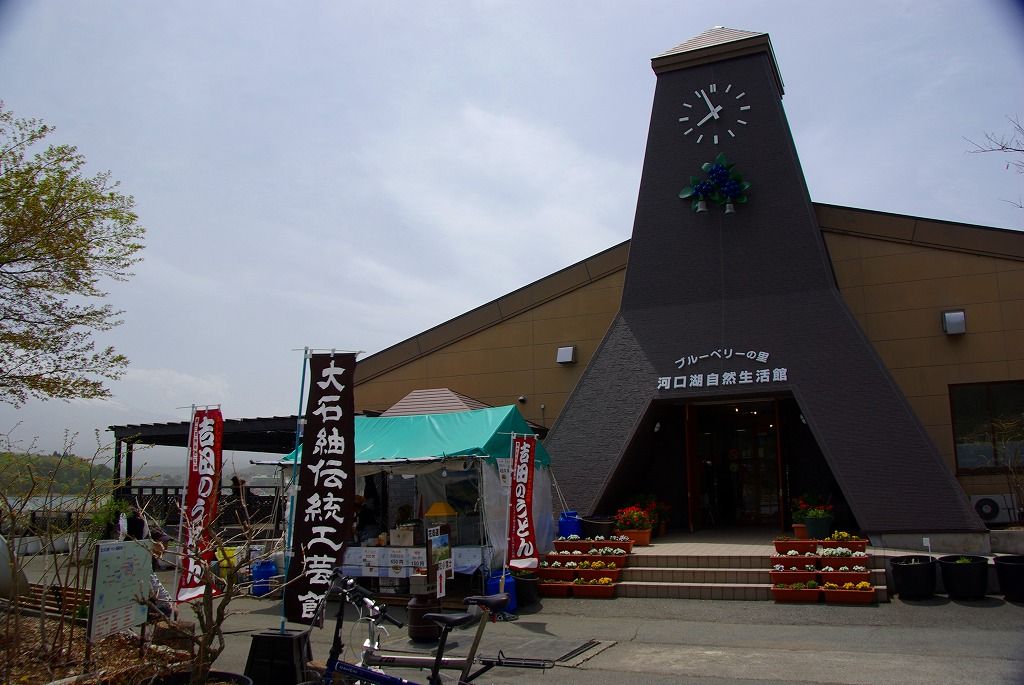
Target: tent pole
x,y
508,505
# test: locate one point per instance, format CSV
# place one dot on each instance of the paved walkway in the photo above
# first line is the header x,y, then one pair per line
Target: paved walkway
x,y
710,642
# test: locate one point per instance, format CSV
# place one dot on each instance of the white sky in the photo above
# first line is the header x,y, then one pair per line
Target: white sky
x,y
343,174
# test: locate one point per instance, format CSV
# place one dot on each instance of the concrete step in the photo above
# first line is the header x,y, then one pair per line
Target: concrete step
x,y
666,576
717,576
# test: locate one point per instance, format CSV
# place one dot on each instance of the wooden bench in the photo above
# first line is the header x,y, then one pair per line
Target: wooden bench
x,y
69,602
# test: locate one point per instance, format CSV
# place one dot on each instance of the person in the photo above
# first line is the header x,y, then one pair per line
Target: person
x,y
367,521
160,600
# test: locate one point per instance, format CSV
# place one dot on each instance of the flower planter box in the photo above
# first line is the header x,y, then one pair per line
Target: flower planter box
x,y
619,560
594,591
852,545
548,573
627,545
1010,572
850,596
573,545
554,589
802,546
836,562
789,577
799,561
640,538
967,581
913,576
841,577
790,595
591,574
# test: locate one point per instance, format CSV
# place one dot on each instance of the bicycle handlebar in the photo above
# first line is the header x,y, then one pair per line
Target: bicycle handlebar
x,y
355,592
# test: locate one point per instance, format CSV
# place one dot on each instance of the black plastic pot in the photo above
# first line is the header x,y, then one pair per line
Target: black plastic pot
x,y
595,526
913,576
526,590
1010,572
968,580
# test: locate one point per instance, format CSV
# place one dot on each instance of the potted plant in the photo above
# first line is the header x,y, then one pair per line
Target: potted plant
x,y
784,575
849,593
555,570
1010,573
965,576
784,544
845,572
841,538
913,576
818,519
600,569
597,588
796,592
635,523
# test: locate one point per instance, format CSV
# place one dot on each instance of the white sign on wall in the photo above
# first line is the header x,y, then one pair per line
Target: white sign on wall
x,y
693,378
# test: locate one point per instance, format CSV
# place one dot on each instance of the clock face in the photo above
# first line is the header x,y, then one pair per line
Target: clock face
x,y
715,113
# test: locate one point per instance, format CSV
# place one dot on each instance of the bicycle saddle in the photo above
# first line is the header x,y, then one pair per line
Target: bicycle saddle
x,y
494,603
450,620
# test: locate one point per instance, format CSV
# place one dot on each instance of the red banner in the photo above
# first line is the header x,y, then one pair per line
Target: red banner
x,y
322,522
200,510
522,536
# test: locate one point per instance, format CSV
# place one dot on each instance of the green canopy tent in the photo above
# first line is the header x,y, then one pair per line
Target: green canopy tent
x,y
432,446
424,442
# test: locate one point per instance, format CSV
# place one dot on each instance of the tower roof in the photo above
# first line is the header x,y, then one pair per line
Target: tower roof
x,y
714,45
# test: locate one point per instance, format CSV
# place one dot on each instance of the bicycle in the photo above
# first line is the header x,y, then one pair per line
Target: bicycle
x,y
371,660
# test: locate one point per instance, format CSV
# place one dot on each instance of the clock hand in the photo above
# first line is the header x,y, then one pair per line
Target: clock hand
x,y
712,113
714,110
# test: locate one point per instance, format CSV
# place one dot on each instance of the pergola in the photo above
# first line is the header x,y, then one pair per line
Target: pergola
x,y
274,435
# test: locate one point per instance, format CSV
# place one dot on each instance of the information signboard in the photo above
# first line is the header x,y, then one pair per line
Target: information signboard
x,y
120,586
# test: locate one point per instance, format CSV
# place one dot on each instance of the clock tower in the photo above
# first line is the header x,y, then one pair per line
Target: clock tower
x,y
729,298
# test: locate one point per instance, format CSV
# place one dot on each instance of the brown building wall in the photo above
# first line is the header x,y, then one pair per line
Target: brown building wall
x,y
898,291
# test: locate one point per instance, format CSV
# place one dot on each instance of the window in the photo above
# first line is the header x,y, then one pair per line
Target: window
x,y
988,426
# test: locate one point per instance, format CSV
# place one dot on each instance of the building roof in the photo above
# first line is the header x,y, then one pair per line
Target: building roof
x,y
433,401
715,45
900,228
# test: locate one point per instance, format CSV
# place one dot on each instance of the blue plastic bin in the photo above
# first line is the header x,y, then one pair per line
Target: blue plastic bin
x,y
262,572
569,523
494,582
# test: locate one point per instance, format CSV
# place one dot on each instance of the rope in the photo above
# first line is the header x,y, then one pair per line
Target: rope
x,y
558,491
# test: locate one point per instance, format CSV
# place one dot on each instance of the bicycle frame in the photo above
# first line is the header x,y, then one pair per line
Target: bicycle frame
x,y
370,657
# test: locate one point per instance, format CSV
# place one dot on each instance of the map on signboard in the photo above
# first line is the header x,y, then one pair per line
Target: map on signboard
x,y
120,586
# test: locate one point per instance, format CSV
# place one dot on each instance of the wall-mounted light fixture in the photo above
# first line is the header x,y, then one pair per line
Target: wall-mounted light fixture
x,y
954,322
566,355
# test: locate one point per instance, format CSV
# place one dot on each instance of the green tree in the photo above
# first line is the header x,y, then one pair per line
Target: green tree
x,y
61,232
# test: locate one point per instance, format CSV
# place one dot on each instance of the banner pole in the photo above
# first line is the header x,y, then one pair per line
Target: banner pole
x,y
294,485
508,506
181,507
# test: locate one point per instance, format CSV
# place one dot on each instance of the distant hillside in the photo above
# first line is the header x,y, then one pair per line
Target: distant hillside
x,y
49,474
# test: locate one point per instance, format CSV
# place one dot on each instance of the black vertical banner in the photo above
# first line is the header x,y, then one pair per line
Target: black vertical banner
x,y
324,504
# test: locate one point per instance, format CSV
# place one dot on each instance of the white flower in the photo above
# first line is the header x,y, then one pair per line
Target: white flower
x,y
792,553
570,564
810,567
844,568
778,567
576,551
859,554
827,569
861,569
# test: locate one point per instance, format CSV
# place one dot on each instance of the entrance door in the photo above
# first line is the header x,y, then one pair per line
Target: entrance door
x,y
735,464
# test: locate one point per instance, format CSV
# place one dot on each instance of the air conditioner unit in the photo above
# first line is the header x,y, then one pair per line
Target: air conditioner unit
x,y
995,508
